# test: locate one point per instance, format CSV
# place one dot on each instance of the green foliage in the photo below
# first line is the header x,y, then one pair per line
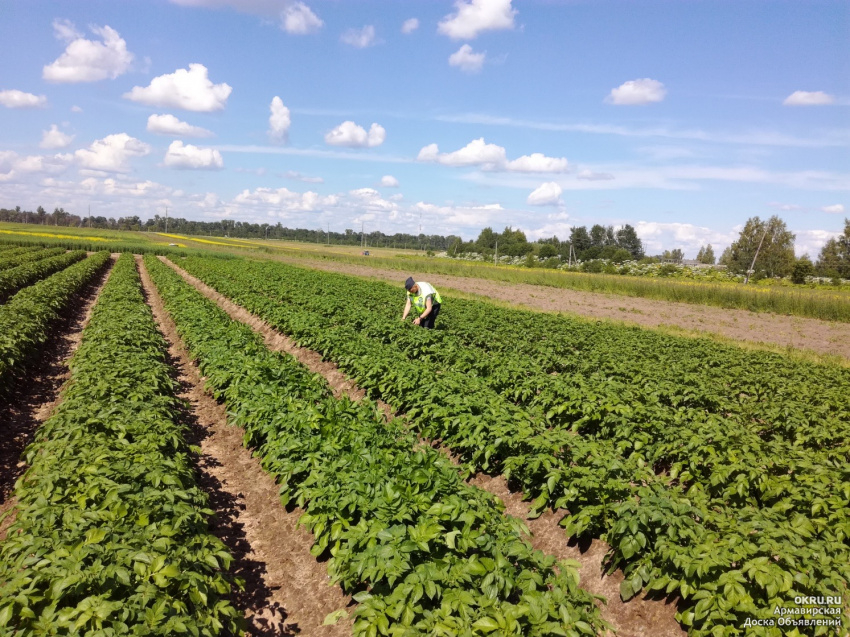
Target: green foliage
x,y
423,552
803,267
14,279
834,259
771,241
706,255
13,258
26,319
110,535
710,470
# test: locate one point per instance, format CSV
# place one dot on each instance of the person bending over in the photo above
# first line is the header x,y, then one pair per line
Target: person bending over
x,y
424,300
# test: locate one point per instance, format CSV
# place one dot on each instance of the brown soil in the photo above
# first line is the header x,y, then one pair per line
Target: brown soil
x,y
823,337
287,591
38,395
640,617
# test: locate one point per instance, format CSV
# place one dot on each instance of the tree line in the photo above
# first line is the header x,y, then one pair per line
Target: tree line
x,y
764,248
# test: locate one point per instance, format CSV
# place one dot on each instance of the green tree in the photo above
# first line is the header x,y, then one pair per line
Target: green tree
x,y
599,236
546,251
41,213
486,240
580,240
675,256
802,268
834,258
706,255
627,239
769,242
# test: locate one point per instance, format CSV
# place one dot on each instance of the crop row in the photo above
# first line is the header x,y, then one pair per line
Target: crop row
x,y
26,319
679,533
423,552
111,535
14,279
14,258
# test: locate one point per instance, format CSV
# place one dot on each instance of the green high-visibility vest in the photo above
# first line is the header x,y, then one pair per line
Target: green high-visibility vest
x,y
417,301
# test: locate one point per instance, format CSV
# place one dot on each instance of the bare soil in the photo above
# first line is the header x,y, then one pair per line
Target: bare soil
x,y
287,591
40,392
823,337
639,617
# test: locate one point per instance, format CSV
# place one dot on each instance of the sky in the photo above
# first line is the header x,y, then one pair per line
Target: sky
x,y
682,118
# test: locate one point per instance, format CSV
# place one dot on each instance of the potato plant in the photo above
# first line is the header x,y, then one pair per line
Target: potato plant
x,y
14,279
695,476
421,551
110,535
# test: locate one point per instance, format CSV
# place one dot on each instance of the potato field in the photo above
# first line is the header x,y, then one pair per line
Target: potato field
x,y
718,477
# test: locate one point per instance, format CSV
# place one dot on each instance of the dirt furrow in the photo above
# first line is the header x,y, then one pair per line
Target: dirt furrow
x,y
287,591
36,398
639,617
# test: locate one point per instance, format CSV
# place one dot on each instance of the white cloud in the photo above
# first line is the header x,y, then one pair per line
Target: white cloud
x,y
410,25
644,91
834,209
809,98
188,89
170,125
76,109
812,241
12,166
589,175
55,138
547,194
298,19
350,134
295,17
279,120
359,38
474,16
466,60
88,60
112,153
538,163
658,237
493,157
14,98
371,200
475,153
284,199
388,181
191,157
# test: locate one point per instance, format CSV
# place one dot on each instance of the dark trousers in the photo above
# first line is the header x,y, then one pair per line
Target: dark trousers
x,y
428,321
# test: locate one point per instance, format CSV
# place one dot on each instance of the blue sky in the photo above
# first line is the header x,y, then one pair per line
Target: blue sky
x,y
682,118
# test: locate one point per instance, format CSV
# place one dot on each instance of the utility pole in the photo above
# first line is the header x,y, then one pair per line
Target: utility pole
x,y
362,237
166,219
496,256
89,215
329,233
755,256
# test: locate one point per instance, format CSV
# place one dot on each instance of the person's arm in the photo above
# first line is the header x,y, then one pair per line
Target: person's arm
x,y
406,309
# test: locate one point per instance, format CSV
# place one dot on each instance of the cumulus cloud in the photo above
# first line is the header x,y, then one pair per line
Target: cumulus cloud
x,y
189,89
809,98
191,157
538,163
834,209
371,200
55,138
88,60
644,91
388,181
657,236
359,38
76,109
298,19
112,153
350,134
547,194
279,120
589,175
14,98
13,166
466,60
410,25
170,125
285,199
493,157
474,16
